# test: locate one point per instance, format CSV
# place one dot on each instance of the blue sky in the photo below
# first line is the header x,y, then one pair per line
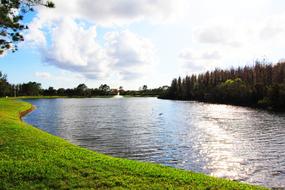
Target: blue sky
x,y
132,43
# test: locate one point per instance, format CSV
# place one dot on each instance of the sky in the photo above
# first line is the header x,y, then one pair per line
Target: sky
x,y
132,43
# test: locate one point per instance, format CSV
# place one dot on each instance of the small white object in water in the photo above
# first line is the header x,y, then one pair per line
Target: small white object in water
x,y
118,96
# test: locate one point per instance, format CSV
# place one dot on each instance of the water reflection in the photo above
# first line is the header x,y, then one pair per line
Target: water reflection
x,y
226,141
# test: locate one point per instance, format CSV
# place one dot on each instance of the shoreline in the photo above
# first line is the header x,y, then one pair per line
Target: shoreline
x,y
52,162
69,97
26,112
269,109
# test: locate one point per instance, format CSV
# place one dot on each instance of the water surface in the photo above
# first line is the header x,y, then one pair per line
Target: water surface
x,y
226,141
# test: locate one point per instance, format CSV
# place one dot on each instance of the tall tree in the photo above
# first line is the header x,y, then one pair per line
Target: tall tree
x,y
4,85
260,85
11,16
30,89
144,87
81,89
104,89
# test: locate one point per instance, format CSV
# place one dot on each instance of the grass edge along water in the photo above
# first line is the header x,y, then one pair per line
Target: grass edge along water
x,y
33,159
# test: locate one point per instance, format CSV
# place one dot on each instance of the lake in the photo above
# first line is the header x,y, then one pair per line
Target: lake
x,y
239,143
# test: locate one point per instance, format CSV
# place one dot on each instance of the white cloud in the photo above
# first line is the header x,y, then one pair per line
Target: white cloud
x,y
36,36
111,13
273,28
43,75
211,55
197,61
75,48
188,54
125,11
114,12
131,54
67,36
218,35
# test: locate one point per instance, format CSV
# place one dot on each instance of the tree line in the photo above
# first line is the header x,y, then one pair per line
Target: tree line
x,y
261,85
35,89
145,91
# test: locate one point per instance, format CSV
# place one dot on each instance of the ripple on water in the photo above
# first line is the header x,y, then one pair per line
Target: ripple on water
x,y
227,141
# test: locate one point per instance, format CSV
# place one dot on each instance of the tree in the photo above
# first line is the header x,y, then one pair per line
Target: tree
x,y
81,89
49,92
30,89
11,15
172,91
262,85
61,92
144,87
104,89
5,87
234,91
121,90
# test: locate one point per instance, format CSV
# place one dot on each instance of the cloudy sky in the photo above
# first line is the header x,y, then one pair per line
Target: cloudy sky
x,y
130,43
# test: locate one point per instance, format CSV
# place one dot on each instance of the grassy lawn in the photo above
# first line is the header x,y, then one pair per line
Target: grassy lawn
x,y
33,159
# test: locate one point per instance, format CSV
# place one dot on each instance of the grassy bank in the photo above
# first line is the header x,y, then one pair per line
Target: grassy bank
x,y
33,159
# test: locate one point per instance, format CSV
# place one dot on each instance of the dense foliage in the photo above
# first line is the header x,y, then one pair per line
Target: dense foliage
x,y
5,87
35,89
261,85
80,91
144,91
103,90
11,25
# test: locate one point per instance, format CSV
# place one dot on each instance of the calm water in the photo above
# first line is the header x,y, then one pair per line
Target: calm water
x,y
225,141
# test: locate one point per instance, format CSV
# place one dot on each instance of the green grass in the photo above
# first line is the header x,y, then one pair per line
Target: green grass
x,y
33,159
